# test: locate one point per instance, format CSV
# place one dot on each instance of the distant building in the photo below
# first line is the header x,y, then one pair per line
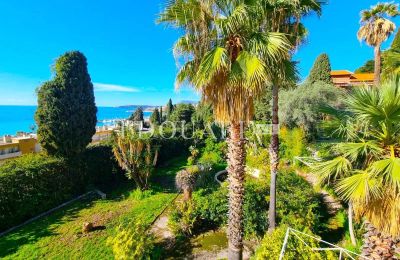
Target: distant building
x,y
11,147
345,78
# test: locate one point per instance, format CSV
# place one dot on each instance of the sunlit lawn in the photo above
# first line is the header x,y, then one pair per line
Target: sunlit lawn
x,y
59,236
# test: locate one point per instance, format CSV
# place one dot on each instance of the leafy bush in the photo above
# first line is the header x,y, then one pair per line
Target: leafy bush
x,y
100,168
297,205
32,184
293,143
300,107
271,246
213,152
132,241
183,218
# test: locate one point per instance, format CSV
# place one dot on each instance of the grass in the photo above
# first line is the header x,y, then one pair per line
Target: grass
x,y
59,235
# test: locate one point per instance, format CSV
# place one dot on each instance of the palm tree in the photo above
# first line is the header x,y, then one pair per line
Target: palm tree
x,y
368,164
283,16
224,56
376,28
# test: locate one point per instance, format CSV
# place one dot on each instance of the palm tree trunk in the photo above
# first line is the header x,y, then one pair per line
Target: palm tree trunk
x,y
378,246
351,229
377,69
236,174
274,158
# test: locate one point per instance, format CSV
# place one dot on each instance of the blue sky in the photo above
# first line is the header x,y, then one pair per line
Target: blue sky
x,y
129,55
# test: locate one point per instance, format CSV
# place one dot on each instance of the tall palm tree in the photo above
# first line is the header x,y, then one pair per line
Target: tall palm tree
x,y
283,16
368,164
376,28
224,56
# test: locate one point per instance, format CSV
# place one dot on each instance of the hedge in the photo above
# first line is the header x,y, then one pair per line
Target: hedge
x,y
35,183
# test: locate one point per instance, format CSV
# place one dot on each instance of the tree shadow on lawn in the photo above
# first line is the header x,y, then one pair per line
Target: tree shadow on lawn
x,y
41,228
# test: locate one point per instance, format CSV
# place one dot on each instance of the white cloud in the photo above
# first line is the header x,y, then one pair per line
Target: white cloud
x,y
101,87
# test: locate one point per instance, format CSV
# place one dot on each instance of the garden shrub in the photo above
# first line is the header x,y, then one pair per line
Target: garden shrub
x,y
183,218
271,246
100,168
132,241
297,205
293,143
213,152
32,184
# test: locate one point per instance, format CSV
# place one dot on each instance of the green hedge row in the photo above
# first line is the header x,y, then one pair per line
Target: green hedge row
x,y
35,183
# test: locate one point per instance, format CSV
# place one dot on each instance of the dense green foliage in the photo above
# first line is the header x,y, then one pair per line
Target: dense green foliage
x,y
297,205
202,115
155,117
321,70
31,185
132,241
365,166
34,183
368,67
262,106
271,246
66,113
182,112
137,115
300,107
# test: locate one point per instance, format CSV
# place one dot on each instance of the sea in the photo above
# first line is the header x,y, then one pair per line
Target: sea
x,y
21,118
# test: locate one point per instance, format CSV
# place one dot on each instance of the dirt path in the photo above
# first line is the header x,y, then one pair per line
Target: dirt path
x,y
333,205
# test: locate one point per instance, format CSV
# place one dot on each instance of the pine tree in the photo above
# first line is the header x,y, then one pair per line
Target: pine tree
x,y
321,70
66,113
155,117
137,115
170,108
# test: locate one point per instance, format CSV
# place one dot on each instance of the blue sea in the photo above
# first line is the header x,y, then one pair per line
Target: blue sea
x,y
21,118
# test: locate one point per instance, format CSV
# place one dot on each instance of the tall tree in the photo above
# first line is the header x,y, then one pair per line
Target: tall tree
x,y
376,28
137,115
224,53
321,70
155,117
66,113
283,17
169,108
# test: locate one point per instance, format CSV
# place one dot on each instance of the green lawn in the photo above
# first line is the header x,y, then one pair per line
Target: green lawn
x,y
59,236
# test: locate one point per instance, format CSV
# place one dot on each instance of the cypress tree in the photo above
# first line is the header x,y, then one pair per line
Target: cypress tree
x,y
66,113
321,70
155,117
170,108
137,115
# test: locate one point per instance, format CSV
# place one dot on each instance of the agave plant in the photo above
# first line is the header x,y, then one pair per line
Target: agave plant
x,y
366,168
136,155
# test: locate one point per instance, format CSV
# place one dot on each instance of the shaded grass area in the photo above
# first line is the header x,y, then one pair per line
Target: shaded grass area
x,y
59,235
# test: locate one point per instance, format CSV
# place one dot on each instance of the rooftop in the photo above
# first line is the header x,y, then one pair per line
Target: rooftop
x,y
341,72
